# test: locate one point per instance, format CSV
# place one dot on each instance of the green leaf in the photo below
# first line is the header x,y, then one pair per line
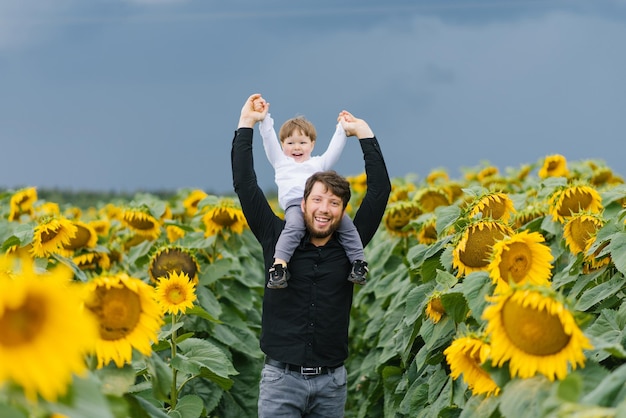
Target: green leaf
x,y
189,406
161,377
198,311
116,380
85,399
605,392
455,306
570,388
606,335
523,398
200,357
600,292
218,269
617,248
476,287
446,217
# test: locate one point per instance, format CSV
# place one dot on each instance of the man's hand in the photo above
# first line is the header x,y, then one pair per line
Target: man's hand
x,y
354,126
254,110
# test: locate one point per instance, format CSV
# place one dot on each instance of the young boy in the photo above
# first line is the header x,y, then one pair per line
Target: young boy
x,y
293,164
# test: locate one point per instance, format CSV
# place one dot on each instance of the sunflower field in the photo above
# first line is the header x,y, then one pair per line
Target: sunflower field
x,y
493,295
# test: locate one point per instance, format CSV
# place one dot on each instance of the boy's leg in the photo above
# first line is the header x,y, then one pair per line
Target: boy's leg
x,y
288,241
351,241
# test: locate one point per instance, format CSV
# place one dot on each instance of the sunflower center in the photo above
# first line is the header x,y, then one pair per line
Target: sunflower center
x,y
516,262
176,295
494,209
142,224
48,235
224,218
533,331
80,239
173,261
21,325
578,200
437,306
118,311
581,231
478,246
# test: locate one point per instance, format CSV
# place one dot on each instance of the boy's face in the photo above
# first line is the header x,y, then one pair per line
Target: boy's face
x,y
298,146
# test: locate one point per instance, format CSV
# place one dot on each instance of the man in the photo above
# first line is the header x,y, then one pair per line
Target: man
x,y
304,332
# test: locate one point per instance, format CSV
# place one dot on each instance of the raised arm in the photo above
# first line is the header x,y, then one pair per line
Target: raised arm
x,y
370,213
271,144
335,147
258,213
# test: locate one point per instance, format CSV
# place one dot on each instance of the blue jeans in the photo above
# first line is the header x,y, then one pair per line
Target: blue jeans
x,y
284,393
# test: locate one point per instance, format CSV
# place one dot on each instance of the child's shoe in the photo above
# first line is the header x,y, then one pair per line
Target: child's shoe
x,y
359,272
278,277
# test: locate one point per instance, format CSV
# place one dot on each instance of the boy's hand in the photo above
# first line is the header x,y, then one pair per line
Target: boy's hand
x,y
254,110
354,126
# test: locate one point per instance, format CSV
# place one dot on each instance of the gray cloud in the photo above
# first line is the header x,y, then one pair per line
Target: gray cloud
x,y
150,101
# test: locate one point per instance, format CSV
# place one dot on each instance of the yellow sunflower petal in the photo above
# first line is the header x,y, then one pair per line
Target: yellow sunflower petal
x,y
535,333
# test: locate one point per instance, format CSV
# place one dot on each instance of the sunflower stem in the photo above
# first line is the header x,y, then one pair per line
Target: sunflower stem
x,y
174,389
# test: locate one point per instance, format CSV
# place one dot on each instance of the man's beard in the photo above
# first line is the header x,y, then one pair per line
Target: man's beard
x,y
318,233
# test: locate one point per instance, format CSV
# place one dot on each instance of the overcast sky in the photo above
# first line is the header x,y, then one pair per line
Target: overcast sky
x,y
130,95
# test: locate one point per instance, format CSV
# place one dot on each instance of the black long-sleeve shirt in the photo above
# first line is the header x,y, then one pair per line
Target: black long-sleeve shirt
x,y
307,322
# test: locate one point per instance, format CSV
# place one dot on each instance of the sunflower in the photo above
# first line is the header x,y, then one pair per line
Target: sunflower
x,y
398,215
529,213
437,176
174,233
101,226
400,193
466,356
601,176
580,231
111,212
523,172
495,205
534,332
51,235
431,198
45,332
191,201
175,293
170,260
358,183
520,258
487,174
92,260
22,203
472,251
128,316
434,308
455,190
46,210
226,215
574,199
593,262
142,223
427,233
86,237
553,166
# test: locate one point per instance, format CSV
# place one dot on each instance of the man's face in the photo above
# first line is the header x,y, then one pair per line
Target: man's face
x,y
322,212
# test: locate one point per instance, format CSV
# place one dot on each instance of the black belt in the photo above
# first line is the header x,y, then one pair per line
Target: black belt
x,y
303,370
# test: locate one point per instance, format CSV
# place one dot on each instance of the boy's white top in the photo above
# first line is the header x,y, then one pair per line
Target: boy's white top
x,y
290,176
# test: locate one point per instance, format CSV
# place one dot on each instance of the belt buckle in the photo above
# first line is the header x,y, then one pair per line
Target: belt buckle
x,y
310,371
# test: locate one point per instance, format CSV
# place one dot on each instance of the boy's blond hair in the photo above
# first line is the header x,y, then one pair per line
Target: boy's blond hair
x,y
299,123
